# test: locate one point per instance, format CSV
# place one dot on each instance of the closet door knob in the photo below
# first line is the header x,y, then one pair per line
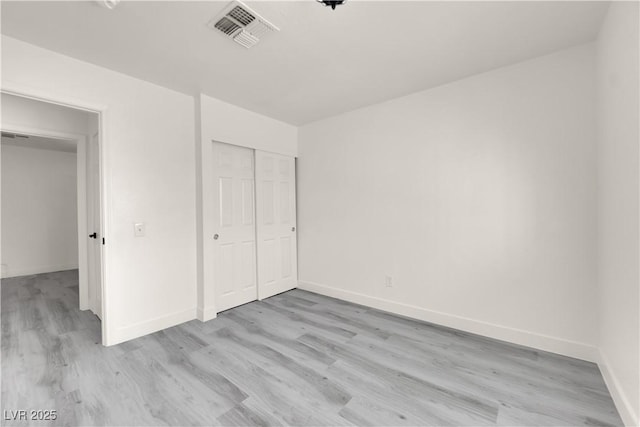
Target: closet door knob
x,y
293,229
215,237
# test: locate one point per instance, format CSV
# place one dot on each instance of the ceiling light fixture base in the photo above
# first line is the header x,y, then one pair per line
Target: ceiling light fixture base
x,y
332,3
109,4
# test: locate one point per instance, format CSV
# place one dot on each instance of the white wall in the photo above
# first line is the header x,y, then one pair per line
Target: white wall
x,y
27,112
618,213
222,122
228,123
150,177
39,211
477,197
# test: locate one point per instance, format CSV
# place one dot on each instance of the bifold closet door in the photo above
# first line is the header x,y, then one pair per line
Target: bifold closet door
x,y
234,244
276,220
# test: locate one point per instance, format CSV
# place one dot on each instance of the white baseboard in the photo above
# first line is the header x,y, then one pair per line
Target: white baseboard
x,y
623,404
150,326
504,333
206,314
37,270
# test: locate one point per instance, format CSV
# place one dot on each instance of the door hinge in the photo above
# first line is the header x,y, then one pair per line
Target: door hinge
x,y
103,240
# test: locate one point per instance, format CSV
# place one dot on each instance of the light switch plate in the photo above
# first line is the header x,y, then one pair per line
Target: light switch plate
x,y
139,229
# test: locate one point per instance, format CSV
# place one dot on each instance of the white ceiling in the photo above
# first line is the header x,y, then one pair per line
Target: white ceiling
x,y
322,63
42,143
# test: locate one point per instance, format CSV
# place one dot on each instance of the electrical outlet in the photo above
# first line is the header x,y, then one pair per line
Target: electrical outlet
x,y
388,281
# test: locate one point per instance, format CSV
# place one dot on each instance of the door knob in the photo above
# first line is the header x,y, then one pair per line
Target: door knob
x,y
94,235
215,237
293,229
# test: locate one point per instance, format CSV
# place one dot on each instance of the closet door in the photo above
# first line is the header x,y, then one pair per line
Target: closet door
x,y
276,219
234,239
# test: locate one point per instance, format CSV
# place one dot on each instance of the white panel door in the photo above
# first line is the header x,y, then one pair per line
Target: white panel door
x,y
94,225
234,244
276,219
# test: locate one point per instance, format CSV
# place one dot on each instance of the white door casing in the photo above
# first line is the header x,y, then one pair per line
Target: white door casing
x,y
56,97
276,223
234,239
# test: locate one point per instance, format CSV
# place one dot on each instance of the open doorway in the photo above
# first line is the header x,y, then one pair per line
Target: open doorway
x,y
51,198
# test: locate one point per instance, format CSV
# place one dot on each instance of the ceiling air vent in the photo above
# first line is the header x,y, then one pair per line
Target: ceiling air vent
x,y
227,26
241,15
13,135
242,24
245,39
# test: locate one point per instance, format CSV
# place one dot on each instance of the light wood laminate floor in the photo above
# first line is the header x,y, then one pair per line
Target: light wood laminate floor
x,y
294,359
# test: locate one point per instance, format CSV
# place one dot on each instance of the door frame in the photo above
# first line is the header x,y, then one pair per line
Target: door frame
x,y
81,195
38,94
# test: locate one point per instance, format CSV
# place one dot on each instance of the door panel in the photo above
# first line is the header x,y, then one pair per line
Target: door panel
x,y
248,267
266,195
234,254
248,210
276,222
